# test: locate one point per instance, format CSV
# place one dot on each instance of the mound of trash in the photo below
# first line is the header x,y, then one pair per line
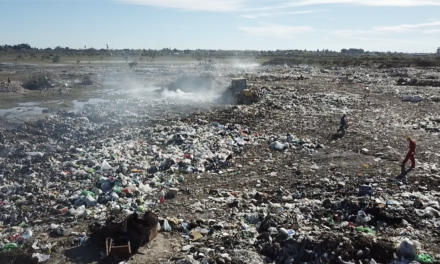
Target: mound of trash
x,y
259,183
278,62
13,87
88,80
38,82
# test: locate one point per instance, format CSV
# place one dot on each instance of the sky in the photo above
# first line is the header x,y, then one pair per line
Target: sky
x,y
373,25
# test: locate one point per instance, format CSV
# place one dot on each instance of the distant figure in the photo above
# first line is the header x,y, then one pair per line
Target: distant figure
x,y
342,124
301,77
9,81
410,154
161,196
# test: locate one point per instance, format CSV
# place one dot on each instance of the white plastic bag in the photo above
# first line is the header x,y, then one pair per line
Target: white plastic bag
x,y
40,257
145,188
362,218
105,166
277,145
89,200
166,226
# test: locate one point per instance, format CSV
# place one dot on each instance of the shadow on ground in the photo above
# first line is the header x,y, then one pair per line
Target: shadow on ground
x,y
404,173
83,254
337,136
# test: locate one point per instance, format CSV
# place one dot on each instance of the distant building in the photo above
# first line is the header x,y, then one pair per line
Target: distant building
x,y
438,51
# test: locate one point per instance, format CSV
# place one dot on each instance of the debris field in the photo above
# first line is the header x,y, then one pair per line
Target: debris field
x,y
269,182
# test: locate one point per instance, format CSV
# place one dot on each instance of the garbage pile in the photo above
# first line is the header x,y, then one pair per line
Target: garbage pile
x,y
123,234
260,183
88,80
12,87
38,82
69,168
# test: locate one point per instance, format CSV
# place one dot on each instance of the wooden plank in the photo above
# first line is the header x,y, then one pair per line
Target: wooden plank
x,y
129,247
107,246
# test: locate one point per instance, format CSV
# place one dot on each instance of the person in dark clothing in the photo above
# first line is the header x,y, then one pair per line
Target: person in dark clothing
x,y
342,124
410,154
9,81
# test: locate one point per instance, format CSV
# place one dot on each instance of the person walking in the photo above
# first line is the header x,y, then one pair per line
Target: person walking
x,y
342,124
410,154
161,196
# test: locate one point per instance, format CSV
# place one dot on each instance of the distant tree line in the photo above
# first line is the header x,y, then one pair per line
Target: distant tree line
x,y
351,56
197,52
352,51
17,47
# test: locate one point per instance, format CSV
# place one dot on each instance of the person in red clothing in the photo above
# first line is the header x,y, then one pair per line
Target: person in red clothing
x,y
411,152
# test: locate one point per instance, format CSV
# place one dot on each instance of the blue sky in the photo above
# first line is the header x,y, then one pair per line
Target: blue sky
x,y
374,25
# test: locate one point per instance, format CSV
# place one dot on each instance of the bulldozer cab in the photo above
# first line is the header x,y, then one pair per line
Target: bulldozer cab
x,y
239,93
238,84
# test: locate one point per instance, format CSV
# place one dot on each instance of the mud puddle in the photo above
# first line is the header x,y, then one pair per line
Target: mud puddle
x,y
35,110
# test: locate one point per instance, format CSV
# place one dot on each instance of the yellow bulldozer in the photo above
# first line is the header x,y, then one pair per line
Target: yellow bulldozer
x,y
238,93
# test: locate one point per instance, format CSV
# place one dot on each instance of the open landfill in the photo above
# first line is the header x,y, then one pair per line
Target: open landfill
x,y
176,175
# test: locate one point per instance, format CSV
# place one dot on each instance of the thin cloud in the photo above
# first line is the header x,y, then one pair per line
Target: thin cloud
x,y
407,27
431,31
249,16
350,33
277,14
266,5
383,30
278,31
191,5
402,3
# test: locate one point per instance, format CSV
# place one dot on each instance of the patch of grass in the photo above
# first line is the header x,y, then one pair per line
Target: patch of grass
x,y
57,104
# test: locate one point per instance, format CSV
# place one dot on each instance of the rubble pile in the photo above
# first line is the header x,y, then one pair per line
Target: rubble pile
x,y
12,87
270,182
38,82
